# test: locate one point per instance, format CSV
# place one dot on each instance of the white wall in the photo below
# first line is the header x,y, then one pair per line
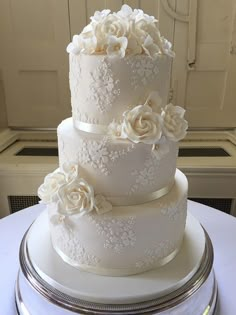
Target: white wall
x,y
3,110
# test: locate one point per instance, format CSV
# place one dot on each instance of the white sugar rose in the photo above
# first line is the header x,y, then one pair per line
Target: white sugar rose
x,y
166,47
148,35
141,124
116,46
133,47
70,170
137,14
47,192
88,40
142,28
112,25
75,46
102,205
76,197
125,11
174,124
114,129
138,33
155,102
150,48
100,15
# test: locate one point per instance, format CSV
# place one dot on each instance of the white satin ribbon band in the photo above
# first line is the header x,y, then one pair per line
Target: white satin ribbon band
x,y
93,128
119,201
115,271
141,198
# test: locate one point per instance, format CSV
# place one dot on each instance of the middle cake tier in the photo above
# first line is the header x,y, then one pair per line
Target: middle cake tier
x,y
124,172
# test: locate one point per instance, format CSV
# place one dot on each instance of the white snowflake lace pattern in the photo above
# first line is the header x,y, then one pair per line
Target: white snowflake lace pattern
x,y
103,89
144,70
70,246
146,176
97,154
154,254
175,211
118,232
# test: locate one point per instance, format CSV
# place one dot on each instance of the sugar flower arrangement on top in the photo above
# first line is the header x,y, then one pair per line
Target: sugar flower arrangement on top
x,y
126,32
151,123
72,194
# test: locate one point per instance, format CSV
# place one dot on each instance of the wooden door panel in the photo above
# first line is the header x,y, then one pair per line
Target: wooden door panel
x,y
35,67
206,87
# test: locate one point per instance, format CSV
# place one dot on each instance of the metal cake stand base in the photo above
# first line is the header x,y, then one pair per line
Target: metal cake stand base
x,y
47,285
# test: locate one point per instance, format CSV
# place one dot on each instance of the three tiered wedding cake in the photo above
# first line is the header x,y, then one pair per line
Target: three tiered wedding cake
x,y
116,204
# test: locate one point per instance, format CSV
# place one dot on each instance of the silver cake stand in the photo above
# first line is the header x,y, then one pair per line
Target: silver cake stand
x,y
42,287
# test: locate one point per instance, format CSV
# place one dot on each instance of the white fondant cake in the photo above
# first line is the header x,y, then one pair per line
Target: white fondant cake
x,y
116,204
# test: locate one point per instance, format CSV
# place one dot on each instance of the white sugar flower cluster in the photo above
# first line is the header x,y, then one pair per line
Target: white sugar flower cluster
x,y
120,33
72,194
151,122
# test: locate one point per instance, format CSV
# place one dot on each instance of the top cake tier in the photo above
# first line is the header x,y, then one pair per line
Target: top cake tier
x,y
103,88
115,63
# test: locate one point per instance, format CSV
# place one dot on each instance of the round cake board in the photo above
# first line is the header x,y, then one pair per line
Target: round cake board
x,y
114,290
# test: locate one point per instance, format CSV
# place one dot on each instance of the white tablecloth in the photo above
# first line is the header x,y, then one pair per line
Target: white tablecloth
x,y
220,227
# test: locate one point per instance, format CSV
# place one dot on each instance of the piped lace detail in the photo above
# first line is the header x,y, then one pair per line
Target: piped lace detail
x,y
95,153
156,253
119,233
69,244
103,88
175,210
144,70
145,176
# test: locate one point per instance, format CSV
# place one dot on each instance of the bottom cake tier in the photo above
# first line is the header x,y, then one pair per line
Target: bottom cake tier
x,y
47,285
126,240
